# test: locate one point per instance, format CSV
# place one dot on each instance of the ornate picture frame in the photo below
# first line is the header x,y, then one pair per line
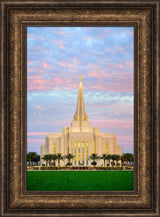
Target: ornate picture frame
x,y
144,17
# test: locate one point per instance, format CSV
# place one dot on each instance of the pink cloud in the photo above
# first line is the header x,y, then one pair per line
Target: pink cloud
x,y
109,50
61,45
121,50
32,69
30,35
61,33
122,137
68,65
36,133
112,123
41,141
65,123
116,79
75,61
97,52
94,74
86,29
121,66
33,77
104,60
37,82
129,31
107,30
96,71
39,107
112,86
29,62
70,84
33,37
58,81
129,64
86,38
126,142
119,107
46,65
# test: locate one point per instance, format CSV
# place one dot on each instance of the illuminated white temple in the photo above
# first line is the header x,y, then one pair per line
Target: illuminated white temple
x,y
80,139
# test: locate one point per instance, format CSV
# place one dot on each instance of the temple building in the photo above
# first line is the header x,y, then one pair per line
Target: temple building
x,y
80,139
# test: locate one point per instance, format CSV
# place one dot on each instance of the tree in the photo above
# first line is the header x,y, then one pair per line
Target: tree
x,y
46,158
94,158
104,157
59,158
50,158
127,157
37,159
131,159
69,157
117,158
31,156
113,157
122,159
54,158
109,157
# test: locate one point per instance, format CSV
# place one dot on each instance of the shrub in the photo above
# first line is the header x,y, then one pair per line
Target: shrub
x,y
69,164
47,168
108,168
36,168
128,168
117,168
94,163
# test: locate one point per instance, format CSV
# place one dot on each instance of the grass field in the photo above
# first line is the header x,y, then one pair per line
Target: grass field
x,y
80,180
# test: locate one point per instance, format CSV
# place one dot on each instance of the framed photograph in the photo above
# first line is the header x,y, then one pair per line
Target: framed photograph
x,y
80,108
103,104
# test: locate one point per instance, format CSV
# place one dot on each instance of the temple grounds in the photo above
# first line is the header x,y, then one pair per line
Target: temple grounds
x,y
80,180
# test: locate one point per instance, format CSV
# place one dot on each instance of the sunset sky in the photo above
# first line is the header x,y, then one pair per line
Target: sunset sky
x,y
56,57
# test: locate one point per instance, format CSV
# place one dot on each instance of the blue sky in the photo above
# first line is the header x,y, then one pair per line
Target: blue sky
x,y
56,57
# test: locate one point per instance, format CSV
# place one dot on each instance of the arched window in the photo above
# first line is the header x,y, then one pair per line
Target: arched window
x,y
83,153
54,148
107,148
79,149
94,147
87,152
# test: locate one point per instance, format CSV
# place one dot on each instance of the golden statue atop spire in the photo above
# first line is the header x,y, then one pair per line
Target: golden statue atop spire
x,y
80,77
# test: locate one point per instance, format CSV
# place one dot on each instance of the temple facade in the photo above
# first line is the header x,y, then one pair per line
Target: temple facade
x,y
80,139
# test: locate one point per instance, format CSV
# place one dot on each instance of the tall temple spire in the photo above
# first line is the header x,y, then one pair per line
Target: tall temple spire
x,y
80,114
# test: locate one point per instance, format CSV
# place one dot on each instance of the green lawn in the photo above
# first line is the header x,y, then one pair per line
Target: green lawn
x,y
80,180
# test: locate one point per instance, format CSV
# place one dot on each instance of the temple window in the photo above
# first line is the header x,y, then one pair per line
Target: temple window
x,y
107,148
83,153
94,147
54,148
87,152
79,146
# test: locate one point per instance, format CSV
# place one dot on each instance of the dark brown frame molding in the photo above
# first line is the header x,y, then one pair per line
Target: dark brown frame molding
x,y
144,17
